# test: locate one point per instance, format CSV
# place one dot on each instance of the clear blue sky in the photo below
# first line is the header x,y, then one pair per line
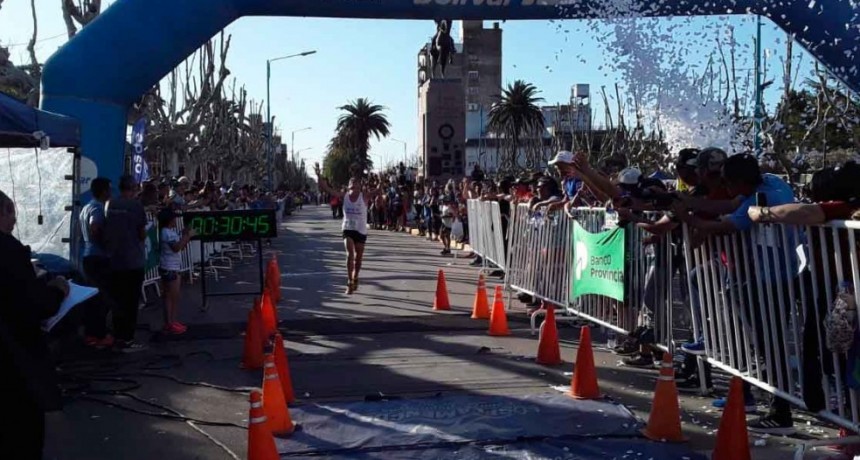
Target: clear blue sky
x,y
377,59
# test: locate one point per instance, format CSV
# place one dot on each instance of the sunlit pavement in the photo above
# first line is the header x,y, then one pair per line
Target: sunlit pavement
x,y
385,339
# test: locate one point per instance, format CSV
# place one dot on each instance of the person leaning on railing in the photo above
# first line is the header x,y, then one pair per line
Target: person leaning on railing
x,y
836,192
623,190
743,179
837,195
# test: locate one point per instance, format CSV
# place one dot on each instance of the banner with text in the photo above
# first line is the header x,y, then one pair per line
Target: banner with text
x,y
138,160
598,263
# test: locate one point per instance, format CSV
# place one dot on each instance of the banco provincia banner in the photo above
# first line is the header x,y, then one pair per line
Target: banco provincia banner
x,y
598,263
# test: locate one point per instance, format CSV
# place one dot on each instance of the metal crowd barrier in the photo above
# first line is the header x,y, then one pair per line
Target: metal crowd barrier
x,y
485,232
542,254
758,299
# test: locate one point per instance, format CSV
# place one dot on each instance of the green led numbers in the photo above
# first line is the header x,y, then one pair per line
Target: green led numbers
x,y
263,225
236,227
231,225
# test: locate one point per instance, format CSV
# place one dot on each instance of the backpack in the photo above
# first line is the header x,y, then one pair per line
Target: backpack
x,y
839,322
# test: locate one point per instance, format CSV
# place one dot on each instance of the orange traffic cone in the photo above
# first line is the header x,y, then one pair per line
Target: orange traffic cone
x,y
283,367
277,414
732,437
261,444
480,307
270,317
549,352
252,356
664,422
440,302
583,385
499,318
274,275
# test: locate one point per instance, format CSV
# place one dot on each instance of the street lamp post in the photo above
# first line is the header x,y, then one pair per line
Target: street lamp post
x,y
404,148
270,129
293,139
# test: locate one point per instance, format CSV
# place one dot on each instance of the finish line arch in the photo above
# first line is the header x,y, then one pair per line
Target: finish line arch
x,y
98,74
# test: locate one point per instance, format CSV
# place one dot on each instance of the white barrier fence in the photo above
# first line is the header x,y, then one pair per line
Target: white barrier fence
x,y
486,236
758,299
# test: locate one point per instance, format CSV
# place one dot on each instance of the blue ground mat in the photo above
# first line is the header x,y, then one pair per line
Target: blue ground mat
x,y
472,426
579,449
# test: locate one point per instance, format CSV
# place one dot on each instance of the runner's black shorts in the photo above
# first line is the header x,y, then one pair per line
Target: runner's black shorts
x,y
355,236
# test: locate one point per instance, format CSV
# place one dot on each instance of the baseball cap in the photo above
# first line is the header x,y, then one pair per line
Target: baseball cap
x,y
563,156
711,159
629,176
183,180
687,158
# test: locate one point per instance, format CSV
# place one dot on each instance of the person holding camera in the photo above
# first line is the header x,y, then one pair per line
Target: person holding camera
x,y
28,387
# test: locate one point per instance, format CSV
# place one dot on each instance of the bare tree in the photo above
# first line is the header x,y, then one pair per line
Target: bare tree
x,y
81,12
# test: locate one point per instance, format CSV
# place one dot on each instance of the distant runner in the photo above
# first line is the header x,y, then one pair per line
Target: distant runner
x,y
355,205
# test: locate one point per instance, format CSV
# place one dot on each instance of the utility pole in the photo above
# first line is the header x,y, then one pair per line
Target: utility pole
x,y
759,110
270,131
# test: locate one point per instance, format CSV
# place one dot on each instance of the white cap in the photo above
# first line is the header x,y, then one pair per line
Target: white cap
x,y
563,156
184,180
629,176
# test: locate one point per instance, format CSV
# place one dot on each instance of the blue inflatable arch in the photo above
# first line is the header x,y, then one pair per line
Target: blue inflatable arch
x,y
98,74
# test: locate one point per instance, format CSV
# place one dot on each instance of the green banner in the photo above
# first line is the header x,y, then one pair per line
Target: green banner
x,y
152,247
598,263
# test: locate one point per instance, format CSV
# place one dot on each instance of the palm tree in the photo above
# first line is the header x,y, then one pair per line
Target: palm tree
x,y
362,120
517,116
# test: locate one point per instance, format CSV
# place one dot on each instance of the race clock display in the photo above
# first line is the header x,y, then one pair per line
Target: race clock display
x,y
232,225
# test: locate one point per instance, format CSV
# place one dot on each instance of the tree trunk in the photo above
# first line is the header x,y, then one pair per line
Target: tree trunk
x,y
36,72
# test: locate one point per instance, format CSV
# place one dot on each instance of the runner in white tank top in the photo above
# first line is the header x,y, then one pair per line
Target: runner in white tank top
x,y
355,205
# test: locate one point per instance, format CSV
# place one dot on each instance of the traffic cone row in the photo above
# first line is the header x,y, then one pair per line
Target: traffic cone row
x,y
261,328
664,422
264,349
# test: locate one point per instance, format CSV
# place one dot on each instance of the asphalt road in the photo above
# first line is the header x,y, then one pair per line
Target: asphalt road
x,y
384,339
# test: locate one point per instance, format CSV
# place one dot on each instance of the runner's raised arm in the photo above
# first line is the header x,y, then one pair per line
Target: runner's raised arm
x,y
323,183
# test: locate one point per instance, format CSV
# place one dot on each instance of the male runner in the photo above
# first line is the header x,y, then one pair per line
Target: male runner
x,y
355,204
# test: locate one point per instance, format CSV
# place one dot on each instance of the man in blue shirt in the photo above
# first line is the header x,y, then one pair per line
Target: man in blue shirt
x,y
96,262
744,180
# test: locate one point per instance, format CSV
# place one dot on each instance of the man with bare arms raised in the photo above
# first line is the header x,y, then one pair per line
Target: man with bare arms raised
x,y
355,204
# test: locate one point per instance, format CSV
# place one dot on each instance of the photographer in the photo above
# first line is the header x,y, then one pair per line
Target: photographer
x,y
28,387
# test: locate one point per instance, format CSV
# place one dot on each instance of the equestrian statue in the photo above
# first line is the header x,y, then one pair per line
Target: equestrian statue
x,y
442,49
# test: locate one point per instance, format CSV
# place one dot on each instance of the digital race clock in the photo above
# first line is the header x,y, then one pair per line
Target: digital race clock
x,y
246,225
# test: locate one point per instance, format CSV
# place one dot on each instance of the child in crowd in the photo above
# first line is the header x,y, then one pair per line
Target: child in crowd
x,y
172,243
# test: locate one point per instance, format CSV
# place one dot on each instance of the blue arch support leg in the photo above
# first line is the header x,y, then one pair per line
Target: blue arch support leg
x,y
98,74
